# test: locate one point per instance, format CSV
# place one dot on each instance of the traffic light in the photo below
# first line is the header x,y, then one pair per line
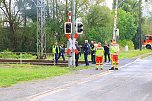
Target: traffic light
x,y
68,27
79,27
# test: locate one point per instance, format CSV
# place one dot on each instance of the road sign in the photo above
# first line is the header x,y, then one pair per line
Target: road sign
x,y
72,44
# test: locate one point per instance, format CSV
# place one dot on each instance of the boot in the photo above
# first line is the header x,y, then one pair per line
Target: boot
x,y
112,68
101,69
96,68
116,68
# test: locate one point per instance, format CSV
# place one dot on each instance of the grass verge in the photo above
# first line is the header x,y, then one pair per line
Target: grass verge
x,y
14,73
133,53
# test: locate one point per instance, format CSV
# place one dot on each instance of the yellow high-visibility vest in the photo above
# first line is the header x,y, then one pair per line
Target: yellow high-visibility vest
x,y
54,49
114,48
99,51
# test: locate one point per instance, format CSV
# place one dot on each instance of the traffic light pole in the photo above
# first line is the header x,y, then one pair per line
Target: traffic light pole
x,y
139,26
115,22
73,31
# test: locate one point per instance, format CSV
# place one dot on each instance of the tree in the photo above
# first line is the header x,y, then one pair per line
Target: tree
x,y
134,7
126,25
28,9
13,19
98,25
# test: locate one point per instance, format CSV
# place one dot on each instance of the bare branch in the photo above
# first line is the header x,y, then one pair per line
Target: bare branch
x,y
4,12
7,11
17,14
10,1
21,21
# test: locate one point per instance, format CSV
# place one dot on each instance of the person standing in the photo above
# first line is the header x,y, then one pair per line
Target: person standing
x,y
99,56
77,55
86,49
114,49
55,51
92,52
61,52
106,52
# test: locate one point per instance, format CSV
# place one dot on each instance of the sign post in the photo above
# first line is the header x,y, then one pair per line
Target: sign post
x,y
115,22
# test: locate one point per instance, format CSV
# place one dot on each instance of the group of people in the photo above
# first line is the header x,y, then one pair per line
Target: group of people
x,y
106,52
98,53
58,51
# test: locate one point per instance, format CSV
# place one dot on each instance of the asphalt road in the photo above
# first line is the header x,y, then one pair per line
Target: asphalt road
x,y
130,83
133,82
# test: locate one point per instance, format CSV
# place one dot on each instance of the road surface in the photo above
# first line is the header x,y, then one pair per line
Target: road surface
x,y
133,82
130,83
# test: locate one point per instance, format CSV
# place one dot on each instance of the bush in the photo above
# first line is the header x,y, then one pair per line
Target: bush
x,y
129,43
10,55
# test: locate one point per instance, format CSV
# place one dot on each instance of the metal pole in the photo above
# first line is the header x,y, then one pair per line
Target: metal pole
x,y
73,30
115,21
66,10
139,26
20,58
53,10
120,3
41,35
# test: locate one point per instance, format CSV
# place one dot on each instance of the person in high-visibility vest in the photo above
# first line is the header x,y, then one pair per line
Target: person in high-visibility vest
x,y
99,56
55,51
114,50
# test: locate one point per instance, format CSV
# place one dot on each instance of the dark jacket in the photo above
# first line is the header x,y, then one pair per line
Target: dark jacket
x,y
106,49
77,55
92,49
62,50
86,48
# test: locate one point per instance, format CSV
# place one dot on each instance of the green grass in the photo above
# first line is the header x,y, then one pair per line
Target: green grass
x,y
11,55
132,53
14,73
122,54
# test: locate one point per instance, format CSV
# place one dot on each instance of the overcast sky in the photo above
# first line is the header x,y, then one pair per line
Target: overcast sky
x,y
109,3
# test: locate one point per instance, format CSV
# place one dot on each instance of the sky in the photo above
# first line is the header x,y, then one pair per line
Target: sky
x,y
109,3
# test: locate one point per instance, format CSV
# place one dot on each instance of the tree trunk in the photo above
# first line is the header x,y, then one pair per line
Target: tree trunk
x,y
12,37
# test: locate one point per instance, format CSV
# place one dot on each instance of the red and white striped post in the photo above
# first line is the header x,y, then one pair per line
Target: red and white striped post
x,y
115,21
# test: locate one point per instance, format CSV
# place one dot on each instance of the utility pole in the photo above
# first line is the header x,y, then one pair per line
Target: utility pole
x,y
115,22
66,10
73,31
56,8
41,35
53,10
139,26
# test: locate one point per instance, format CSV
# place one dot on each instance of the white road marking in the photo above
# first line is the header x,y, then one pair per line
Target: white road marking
x,y
46,94
37,97
129,63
